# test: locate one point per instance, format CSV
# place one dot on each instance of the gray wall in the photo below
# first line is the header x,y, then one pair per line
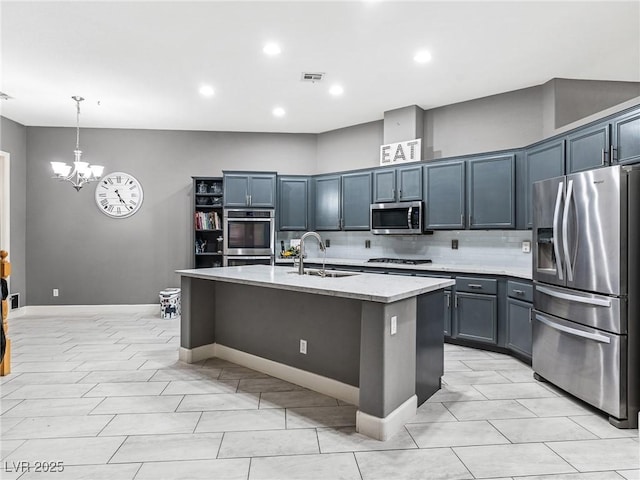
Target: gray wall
x,y
13,140
498,122
350,148
94,259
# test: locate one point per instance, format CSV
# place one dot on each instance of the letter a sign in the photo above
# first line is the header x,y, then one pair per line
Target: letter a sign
x,y
403,152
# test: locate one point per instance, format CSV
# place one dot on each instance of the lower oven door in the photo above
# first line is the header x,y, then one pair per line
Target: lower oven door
x,y
588,363
238,261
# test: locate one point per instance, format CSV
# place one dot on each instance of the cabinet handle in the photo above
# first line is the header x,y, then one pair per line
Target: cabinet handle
x,y
456,301
518,292
249,199
530,315
612,155
462,219
448,301
475,285
602,161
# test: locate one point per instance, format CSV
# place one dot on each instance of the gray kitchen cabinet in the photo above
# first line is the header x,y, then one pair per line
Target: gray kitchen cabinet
x,y
399,184
519,305
444,195
476,310
542,161
626,138
491,192
250,189
293,199
356,201
588,148
328,214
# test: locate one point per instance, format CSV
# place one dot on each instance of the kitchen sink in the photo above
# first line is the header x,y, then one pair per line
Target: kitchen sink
x,y
326,273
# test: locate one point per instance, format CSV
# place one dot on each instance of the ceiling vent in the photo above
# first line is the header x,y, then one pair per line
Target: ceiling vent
x,y
312,77
4,96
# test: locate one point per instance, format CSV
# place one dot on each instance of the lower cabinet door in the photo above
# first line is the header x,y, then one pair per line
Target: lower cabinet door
x,y
519,326
476,317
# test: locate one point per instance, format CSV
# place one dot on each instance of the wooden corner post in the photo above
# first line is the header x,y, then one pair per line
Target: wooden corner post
x,y
5,271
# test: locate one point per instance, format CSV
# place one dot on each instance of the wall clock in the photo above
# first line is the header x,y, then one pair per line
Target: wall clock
x,y
119,195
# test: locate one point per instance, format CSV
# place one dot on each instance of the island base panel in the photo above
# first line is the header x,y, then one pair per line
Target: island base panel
x,y
387,361
197,322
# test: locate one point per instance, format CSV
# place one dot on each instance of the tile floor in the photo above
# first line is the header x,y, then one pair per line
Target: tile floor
x,y
106,396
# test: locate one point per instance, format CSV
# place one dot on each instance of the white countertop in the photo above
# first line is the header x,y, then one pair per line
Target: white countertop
x,y
361,286
524,273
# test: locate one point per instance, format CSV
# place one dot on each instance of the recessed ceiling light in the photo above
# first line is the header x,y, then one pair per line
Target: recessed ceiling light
x,y
423,56
206,91
278,112
336,90
271,49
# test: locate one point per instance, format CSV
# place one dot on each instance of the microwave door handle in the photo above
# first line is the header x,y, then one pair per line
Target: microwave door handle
x,y
556,246
409,217
565,231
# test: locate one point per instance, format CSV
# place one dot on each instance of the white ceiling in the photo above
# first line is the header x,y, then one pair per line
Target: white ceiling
x,y
144,61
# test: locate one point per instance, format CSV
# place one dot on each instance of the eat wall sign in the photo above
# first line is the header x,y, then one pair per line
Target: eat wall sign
x,y
402,152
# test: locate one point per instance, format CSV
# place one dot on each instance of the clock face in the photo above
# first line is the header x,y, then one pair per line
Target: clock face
x,y
119,195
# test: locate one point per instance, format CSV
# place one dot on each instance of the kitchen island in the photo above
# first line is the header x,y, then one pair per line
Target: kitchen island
x,y
363,334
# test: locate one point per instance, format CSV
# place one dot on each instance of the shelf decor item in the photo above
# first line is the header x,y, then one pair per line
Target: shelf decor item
x,y
80,172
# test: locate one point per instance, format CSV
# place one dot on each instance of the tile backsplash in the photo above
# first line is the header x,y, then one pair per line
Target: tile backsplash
x,y
475,247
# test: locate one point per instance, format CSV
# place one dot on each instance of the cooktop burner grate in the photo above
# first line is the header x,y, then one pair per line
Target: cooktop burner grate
x,y
406,261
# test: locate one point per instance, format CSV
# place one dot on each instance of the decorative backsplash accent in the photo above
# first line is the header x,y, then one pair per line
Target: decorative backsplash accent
x,y
482,247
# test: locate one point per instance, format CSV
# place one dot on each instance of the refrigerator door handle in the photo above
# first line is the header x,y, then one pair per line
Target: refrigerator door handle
x,y
573,331
599,302
565,231
556,247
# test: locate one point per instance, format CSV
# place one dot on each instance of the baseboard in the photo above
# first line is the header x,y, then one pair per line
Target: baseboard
x,y
384,428
150,309
312,381
193,355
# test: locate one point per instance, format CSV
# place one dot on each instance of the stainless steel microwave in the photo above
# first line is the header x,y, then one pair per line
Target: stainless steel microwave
x,y
403,218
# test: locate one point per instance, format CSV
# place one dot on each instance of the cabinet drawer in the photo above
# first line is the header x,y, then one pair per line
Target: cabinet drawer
x,y
521,291
476,285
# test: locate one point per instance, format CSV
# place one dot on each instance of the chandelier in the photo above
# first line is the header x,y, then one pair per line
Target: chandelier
x,y
80,172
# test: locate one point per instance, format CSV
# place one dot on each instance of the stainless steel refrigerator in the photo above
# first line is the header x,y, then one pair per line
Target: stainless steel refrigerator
x,y
585,323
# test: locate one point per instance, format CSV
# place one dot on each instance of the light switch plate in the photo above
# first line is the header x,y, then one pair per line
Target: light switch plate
x,y
526,246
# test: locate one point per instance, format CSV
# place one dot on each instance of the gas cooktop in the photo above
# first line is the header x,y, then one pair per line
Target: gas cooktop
x,y
406,261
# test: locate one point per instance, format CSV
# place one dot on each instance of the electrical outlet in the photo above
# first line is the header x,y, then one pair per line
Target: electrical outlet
x,y
303,346
367,244
526,246
454,244
56,292
14,301
327,243
394,325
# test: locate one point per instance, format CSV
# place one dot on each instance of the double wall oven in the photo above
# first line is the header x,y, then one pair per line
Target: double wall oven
x,y
249,237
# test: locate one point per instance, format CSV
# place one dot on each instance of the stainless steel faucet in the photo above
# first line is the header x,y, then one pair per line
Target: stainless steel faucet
x,y
322,248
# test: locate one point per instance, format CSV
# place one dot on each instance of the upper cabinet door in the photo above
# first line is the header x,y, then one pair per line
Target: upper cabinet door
x,y
444,194
250,190
327,205
542,162
384,185
262,190
292,203
491,192
588,148
409,180
356,201
236,190
626,138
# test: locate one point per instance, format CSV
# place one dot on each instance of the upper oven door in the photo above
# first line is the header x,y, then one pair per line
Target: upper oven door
x,y
248,232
